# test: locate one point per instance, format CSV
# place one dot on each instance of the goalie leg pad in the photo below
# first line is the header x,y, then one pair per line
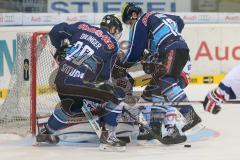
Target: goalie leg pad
x,y
170,116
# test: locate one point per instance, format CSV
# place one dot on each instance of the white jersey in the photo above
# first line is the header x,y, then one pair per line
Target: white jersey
x,y
231,83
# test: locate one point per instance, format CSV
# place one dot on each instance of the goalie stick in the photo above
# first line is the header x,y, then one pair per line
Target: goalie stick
x,y
90,118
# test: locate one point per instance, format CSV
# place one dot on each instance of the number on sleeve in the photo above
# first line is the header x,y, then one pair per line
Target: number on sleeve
x,y
172,26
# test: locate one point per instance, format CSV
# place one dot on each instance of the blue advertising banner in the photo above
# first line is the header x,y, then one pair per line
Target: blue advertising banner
x,y
82,6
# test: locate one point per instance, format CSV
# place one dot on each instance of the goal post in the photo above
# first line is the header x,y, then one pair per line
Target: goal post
x,y
31,90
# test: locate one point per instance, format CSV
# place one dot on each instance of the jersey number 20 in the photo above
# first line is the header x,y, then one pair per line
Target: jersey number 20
x,y
79,53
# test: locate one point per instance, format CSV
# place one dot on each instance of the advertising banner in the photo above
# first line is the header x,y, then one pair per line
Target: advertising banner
x,y
35,19
82,6
213,48
40,18
10,19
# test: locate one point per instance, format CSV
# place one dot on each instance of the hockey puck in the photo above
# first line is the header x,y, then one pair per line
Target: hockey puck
x,y
187,145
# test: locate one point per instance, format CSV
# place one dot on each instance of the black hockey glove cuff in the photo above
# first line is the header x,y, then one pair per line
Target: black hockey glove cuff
x,y
153,65
60,53
119,70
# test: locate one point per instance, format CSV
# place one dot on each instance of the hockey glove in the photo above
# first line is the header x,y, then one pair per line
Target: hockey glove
x,y
119,70
60,53
153,65
212,102
123,86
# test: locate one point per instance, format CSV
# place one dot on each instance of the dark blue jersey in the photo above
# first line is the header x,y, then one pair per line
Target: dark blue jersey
x,y
156,32
91,50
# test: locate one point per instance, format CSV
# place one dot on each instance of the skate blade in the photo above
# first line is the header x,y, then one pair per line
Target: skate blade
x,y
109,148
42,144
41,140
153,142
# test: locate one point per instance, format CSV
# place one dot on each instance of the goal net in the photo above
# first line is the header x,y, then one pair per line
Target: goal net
x,y
31,92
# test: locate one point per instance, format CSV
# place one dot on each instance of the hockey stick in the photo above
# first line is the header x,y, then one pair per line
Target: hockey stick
x,y
139,104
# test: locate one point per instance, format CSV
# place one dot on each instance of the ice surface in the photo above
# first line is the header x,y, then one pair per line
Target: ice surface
x,y
219,141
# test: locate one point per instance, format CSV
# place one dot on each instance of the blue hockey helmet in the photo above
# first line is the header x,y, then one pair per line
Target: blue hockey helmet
x,y
127,11
112,22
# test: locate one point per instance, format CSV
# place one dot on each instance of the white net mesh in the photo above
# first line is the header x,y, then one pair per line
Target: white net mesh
x,y
15,112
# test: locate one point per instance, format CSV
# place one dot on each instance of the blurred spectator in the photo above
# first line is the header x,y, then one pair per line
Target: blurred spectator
x,y
23,6
216,5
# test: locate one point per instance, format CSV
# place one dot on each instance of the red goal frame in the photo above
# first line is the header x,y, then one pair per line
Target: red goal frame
x,y
33,84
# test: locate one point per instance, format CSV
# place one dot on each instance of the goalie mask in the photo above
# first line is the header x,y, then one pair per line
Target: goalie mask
x,y
113,25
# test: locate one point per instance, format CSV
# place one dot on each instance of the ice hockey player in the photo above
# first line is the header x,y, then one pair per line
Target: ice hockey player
x,y
159,34
83,65
227,89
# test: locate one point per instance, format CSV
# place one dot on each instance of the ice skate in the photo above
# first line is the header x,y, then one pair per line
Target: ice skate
x,y
47,139
109,142
44,137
